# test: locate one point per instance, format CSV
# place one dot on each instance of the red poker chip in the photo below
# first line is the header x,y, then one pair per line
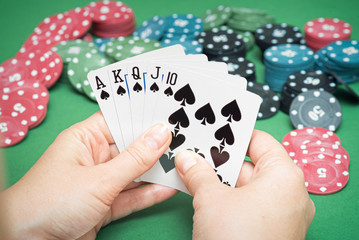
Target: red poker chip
x,y
325,177
40,120
11,131
13,71
27,104
45,67
87,37
109,11
329,29
79,22
321,153
298,137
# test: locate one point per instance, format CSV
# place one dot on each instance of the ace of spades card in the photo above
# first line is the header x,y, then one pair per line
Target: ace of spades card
x,y
208,114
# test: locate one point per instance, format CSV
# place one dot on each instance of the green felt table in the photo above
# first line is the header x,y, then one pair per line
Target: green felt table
x,y
336,215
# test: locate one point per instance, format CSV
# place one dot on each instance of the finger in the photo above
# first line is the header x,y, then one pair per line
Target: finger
x,y
246,174
140,198
139,157
195,172
132,185
264,150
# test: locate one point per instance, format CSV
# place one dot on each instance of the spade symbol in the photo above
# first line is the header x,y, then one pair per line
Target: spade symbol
x,y
168,92
219,158
205,114
167,162
104,95
225,135
231,110
179,118
137,87
121,91
154,87
185,95
177,140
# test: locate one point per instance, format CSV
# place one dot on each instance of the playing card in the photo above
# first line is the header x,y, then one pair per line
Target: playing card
x,y
99,81
216,123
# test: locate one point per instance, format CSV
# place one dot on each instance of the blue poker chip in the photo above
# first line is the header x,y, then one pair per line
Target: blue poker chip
x,y
152,28
100,43
190,47
183,24
287,55
344,53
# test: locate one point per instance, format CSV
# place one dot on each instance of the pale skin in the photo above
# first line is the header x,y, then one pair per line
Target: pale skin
x,y
82,183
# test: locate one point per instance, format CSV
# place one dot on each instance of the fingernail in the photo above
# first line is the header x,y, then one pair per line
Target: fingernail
x,y
157,136
184,160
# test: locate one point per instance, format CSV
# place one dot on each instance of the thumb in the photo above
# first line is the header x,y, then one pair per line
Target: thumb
x,y
140,156
195,172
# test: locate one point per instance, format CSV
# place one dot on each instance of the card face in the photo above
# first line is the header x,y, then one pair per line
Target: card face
x,y
100,84
205,120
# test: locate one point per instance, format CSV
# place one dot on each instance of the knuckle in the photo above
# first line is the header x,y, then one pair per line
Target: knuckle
x,y
137,154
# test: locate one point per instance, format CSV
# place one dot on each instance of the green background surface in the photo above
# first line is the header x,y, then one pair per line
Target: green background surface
x,y
336,214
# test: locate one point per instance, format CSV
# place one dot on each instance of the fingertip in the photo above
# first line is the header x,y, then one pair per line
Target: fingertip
x,y
184,160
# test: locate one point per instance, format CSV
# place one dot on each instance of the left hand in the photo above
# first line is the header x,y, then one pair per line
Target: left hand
x,y
82,183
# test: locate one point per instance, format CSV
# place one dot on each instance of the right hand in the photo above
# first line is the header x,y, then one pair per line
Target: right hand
x,y
270,200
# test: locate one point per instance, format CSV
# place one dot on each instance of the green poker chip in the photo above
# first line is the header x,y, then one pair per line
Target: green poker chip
x,y
73,48
80,66
216,17
124,47
248,39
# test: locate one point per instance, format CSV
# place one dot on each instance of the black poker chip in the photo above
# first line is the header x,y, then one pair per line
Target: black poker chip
x,y
275,34
222,41
270,100
239,66
316,109
303,81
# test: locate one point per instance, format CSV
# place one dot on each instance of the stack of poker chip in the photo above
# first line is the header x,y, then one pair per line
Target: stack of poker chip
x,y
239,66
222,42
276,34
246,19
270,100
320,155
323,31
282,60
303,81
342,57
23,103
214,18
315,108
72,24
183,29
111,19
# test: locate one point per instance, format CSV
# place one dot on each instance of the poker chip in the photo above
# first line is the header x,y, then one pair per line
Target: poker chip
x,y
318,152
26,103
87,37
325,177
12,131
190,46
248,39
322,31
152,28
111,19
282,60
342,57
13,71
303,81
239,66
222,41
80,66
125,47
270,100
216,17
246,19
101,44
182,27
276,34
315,109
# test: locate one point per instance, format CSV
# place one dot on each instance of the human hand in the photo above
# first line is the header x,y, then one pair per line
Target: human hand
x,y
270,200
82,183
